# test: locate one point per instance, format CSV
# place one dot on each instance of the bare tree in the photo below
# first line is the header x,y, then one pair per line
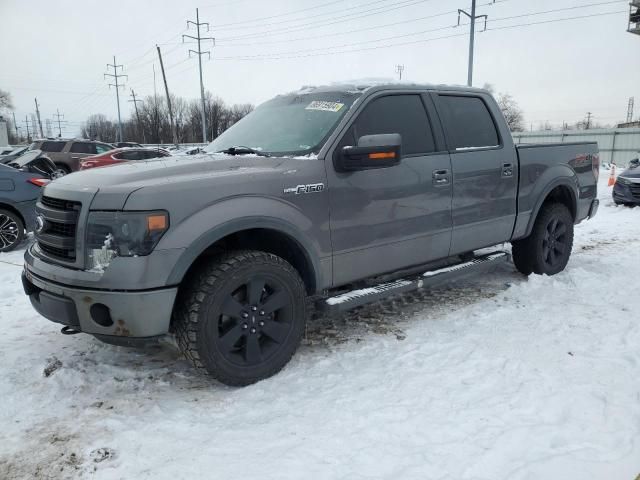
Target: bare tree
x,y
6,102
511,111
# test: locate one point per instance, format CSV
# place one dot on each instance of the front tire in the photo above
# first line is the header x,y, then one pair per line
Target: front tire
x,y
11,230
547,250
242,317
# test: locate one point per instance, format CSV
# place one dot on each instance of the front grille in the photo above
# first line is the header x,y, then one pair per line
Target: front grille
x,y
60,204
60,253
57,238
635,190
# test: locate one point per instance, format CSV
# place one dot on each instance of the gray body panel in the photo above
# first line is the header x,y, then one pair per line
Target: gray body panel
x,y
17,193
360,224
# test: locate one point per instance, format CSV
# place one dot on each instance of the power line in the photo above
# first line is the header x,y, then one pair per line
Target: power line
x,y
288,55
58,116
116,76
333,21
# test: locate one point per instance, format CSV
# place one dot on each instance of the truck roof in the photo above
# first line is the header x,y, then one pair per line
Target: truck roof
x,y
367,85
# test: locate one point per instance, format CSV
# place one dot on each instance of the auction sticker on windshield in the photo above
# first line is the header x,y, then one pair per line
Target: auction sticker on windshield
x,y
325,106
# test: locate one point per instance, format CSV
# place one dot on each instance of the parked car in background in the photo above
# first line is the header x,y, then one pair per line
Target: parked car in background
x,y
13,154
20,184
127,144
626,190
5,150
66,154
189,151
120,155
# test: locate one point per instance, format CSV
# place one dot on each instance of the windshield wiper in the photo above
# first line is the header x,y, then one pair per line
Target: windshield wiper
x,y
242,150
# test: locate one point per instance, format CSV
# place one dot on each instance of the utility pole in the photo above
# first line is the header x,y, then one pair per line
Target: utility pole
x,y
26,122
199,52
472,36
399,70
15,124
166,90
587,125
630,110
58,115
135,105
38,115
116,76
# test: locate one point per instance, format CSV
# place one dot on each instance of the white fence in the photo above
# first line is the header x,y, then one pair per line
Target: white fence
x,y
617,145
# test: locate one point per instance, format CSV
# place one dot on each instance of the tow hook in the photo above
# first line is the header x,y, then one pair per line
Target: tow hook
x,y
69,331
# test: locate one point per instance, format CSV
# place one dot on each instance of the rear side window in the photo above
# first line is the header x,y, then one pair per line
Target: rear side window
x,y
131,155
52,147
403,114
101,148
82,147
467,122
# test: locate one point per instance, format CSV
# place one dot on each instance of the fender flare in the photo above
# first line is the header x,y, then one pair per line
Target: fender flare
x,y
569,182
217,233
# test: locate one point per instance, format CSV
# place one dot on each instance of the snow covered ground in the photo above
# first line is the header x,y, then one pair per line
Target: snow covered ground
x,y
500,377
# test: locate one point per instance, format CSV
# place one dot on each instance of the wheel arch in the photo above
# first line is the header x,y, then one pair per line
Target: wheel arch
x,y
562,191
268,235
12,209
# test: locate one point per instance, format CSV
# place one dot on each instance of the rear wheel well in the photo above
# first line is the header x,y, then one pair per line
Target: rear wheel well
x,y
562,194
265,240
9,208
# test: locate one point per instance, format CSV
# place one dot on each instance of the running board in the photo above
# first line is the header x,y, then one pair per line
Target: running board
x,y
357,298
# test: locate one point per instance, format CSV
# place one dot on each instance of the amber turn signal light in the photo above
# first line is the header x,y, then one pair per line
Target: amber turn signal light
x,y
382,155
156,222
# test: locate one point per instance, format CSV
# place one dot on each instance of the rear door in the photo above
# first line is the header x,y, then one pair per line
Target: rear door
x,y
485,171
388,218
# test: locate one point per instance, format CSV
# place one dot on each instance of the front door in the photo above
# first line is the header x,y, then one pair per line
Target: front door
x,y
485,172
388,218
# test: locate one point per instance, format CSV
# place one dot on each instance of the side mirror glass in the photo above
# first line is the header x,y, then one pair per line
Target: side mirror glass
x,y
372,151
635,163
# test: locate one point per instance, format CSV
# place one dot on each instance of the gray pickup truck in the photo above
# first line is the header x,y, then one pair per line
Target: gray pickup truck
x,y
339,195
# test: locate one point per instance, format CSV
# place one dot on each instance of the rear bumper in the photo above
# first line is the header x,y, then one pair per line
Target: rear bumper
x,y
118,316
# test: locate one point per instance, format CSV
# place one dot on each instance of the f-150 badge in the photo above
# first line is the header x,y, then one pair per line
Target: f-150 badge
x,y
310,188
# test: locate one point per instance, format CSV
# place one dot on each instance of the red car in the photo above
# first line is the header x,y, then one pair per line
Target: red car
x,y
119,155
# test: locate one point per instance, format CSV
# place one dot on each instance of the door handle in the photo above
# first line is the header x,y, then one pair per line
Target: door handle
x,y
507,170
441,177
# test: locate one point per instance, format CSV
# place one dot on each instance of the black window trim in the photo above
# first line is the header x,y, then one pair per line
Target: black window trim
x,y
440,148
448,93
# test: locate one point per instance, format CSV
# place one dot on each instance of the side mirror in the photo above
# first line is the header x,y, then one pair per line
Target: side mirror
x,y
635,163
372,151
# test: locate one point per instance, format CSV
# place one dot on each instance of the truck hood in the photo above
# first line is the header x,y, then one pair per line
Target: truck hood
x,y
218,175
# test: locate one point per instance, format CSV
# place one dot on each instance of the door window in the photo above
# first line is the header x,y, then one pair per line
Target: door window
x,y
83,147
52,147
101,148
467,122
403,114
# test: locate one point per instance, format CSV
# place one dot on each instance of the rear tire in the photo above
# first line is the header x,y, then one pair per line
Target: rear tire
x,y
547,250
11,230
242,317
61,170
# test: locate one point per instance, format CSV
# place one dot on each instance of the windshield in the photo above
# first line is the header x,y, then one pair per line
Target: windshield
x,y
296,124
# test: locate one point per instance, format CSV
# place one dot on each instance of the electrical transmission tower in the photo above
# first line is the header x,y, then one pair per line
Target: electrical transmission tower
x,y
399,70
58,116
135,105
117,85
199,52
630,110
587,123
472,36
26,123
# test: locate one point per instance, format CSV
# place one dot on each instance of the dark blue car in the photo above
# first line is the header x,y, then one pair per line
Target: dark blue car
x,y
20,184
626,190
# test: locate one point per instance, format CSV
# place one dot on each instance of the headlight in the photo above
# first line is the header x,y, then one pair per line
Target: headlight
x,y
123,234
623,181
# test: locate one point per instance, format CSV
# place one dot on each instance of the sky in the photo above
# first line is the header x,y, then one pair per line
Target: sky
x,y
556,70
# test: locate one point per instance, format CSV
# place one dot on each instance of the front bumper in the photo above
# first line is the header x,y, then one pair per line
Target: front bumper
x,y
622,194
112,316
